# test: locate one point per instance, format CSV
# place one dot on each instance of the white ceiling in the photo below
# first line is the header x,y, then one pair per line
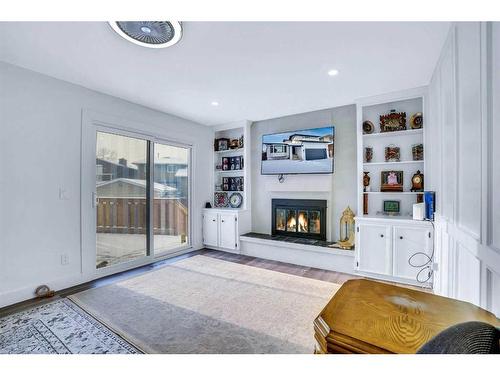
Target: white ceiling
x,y
255,70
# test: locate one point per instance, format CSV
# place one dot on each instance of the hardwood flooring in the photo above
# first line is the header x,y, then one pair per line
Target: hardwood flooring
x,y
313,273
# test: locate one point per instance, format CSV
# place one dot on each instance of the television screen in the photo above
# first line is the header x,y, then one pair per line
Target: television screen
x,y
307,151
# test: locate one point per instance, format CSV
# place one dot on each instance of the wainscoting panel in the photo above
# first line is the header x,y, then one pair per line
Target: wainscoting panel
x,y
465,113
494,141
448,135
493,296
468,38
468,276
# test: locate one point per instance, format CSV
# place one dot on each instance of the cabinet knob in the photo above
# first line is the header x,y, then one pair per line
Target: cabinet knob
x,y
382,235
400,237
213,219
222,220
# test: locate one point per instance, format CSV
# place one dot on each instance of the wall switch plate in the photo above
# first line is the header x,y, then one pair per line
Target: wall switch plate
x,y
64,259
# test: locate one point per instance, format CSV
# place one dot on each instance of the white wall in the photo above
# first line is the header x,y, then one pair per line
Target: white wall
x,y
40,142
339,188
463,164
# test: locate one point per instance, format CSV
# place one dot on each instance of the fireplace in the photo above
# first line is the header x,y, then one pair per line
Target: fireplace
x,y
304,218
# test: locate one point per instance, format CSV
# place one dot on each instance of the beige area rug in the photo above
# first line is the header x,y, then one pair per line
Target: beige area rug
x,y
206,305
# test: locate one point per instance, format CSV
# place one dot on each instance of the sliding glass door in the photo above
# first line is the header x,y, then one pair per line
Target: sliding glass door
x,y
171,197
142,198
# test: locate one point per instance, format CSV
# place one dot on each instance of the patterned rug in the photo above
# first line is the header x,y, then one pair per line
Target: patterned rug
x,y
58,327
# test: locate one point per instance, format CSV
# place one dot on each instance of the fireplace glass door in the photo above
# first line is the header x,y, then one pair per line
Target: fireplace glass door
x,y
314,222
281,219
299,218
303,222
291,221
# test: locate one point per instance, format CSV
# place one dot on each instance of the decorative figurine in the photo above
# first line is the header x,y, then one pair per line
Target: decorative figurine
x,y
392,153
368,154
366,182
417,151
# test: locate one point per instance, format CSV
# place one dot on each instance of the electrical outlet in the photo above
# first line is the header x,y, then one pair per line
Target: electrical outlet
x,y
63,195
64,259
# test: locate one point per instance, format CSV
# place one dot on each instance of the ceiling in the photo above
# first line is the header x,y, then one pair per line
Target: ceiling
x,y
254,70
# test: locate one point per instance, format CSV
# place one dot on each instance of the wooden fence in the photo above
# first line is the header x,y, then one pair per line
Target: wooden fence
x,y
128,215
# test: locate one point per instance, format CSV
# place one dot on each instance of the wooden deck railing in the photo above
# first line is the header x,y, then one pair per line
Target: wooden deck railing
x,y
128,215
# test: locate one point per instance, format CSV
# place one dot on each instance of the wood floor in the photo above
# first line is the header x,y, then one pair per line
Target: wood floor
x,y
313,273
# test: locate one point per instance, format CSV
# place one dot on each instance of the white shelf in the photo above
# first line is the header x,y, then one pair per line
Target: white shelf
x,y
229,171
394,192
395,133
394,162
238,150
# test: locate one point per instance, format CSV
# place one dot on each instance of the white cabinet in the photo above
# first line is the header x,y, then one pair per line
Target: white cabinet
x,y
394,249
210,229
374,243
222,228
227,231
411,245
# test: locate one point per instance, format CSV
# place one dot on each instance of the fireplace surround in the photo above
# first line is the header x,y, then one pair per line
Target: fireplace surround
x,y
303,218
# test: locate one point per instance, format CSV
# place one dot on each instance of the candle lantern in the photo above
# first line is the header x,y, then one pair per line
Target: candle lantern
x,y
347,229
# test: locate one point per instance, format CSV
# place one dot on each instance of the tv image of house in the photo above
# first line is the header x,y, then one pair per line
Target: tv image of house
x,y
306,151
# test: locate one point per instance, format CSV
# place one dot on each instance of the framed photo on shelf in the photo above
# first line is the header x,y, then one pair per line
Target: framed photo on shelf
x,y
392,207
225,163
391,181
221,144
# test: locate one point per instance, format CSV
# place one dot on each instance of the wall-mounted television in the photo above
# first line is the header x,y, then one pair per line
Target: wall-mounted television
x,y
307,151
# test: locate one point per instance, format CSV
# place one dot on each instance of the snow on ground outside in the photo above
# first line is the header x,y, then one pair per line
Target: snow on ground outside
x,y
297,166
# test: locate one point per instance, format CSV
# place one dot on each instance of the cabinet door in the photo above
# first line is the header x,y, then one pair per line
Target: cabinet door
x,y
210,229
407,242
227,237
374,248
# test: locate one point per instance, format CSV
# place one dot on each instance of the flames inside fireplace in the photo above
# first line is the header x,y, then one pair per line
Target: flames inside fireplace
x,y
301,220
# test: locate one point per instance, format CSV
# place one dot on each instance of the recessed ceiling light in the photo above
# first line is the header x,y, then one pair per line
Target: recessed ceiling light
x,y
151,34
214,103
333,72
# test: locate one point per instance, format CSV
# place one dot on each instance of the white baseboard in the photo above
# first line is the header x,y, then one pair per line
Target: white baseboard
x,y
28,292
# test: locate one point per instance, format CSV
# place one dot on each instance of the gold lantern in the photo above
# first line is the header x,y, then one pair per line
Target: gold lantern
x,y
346,230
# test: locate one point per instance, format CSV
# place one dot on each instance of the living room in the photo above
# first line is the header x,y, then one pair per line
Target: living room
x,y
262,187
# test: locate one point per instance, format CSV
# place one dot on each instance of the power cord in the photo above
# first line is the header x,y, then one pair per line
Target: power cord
x,y
427,265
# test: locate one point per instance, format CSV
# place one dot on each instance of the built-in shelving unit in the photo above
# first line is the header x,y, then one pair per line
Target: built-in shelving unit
x,y
371,109
239,130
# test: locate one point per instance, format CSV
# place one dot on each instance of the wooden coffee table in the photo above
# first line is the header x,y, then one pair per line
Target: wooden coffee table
x,y
371,317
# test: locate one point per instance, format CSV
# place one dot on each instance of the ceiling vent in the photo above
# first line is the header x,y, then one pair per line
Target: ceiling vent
x,y
151,34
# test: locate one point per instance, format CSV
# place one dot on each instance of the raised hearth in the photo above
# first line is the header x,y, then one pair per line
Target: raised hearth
x,y
302,241
299,218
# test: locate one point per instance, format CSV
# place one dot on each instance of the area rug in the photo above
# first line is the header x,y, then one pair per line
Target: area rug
x,y
206,305
58,327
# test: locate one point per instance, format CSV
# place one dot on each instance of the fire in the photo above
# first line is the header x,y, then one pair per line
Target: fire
x,y
302,222
291,224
